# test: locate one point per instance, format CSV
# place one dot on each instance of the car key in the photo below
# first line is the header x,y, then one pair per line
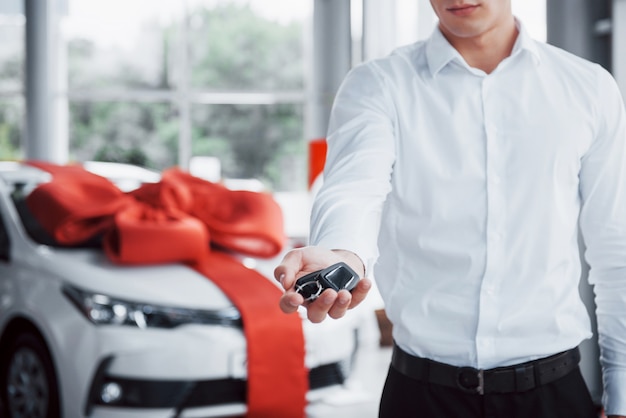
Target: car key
x,y
337,276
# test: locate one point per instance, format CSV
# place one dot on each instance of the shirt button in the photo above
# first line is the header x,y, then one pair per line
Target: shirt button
x,y
484,343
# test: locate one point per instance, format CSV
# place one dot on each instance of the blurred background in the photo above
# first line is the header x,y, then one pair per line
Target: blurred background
x,y
159,83
234,90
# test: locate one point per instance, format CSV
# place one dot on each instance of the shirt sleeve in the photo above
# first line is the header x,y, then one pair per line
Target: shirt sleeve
x,y
603,227
361,151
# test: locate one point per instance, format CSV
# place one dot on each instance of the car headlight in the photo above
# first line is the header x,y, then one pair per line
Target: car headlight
x,y
105,310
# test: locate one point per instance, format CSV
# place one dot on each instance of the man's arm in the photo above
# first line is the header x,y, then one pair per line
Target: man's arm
x,y
347,209
603,227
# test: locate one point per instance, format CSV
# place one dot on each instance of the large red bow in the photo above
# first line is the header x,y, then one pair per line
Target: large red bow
x,y
178,220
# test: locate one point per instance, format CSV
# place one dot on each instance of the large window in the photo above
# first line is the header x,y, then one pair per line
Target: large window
x,y
158,83
11,81
162,83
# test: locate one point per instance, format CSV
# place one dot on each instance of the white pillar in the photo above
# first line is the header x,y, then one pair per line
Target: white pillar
x,y
45,83
618,54
331,60
185,139
59,88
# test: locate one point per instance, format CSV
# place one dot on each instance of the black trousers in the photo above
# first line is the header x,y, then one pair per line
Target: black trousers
x,y
404,397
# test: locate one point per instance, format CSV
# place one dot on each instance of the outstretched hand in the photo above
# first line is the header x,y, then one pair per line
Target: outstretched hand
x,y
301,261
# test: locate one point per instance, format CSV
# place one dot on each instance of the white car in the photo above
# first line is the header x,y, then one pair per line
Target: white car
x,y
83,337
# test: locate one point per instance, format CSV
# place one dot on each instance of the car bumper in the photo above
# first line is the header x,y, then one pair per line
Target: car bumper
x,y
208,398
192,370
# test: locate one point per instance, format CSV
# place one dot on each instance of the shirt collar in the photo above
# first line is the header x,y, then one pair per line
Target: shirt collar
x,y
440,53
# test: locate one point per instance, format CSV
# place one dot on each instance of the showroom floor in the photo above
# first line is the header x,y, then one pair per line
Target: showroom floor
x,y
360,396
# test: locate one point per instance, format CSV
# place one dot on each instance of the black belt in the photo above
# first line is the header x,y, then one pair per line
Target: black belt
x,y
516,378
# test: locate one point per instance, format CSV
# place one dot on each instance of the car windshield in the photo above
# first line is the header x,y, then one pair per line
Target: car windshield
x,y
34,229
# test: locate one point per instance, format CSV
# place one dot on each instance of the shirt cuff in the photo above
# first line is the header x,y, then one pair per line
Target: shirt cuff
x,y
614,397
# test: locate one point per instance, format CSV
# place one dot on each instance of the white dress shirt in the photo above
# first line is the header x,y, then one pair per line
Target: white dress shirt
x,y
465,192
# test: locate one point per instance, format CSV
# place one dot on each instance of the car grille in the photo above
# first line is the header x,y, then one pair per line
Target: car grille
x,y
134,393
327,375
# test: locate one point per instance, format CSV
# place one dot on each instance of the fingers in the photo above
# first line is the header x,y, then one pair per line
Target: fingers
x,y
317,310
336,304
340,305
360,292
290,301
347,300
286,271
300,261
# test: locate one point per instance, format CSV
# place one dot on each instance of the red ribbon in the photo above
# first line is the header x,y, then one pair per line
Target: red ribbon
x,y
178,220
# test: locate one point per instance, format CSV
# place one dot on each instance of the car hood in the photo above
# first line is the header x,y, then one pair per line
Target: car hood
x,y
167,284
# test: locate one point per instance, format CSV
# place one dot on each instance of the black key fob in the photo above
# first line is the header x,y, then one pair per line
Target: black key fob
x,y
338,276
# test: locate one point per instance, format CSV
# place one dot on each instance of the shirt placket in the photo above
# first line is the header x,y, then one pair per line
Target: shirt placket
x,y
495,231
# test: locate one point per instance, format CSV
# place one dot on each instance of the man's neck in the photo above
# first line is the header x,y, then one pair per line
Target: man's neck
x,y
486,51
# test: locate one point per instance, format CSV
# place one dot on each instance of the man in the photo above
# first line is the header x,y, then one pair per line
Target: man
x,y
459,171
